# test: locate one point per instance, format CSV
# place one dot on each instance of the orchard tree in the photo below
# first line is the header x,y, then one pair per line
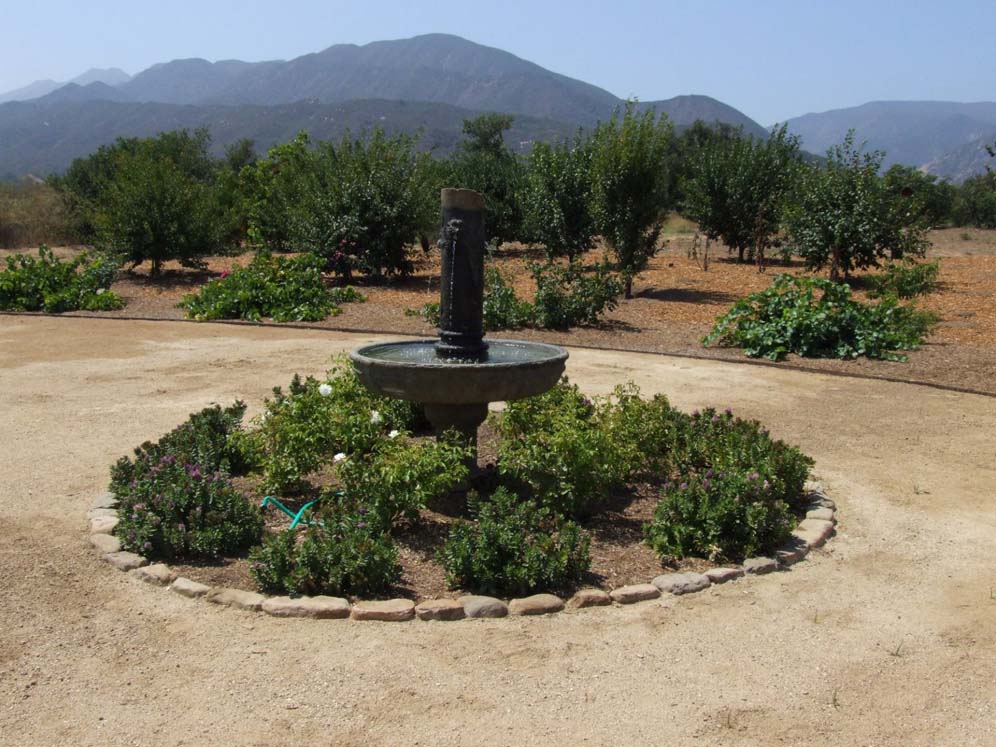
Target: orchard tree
x,y
935,199
153,210
844,217
484,163
557,198
365,202
738,187
274,188
631,181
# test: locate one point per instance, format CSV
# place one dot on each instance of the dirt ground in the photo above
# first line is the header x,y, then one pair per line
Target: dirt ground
x,y
887,637
675,304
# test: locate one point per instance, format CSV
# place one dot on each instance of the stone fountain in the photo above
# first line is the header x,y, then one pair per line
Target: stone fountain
x,y
455,376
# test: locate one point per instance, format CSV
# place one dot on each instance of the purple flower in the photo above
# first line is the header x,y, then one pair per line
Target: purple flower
x,y
695,413
767,485
728,412
683,486
361,525
147,546
706,484
708,474
715,418
364,511
181,527
753,476
194,472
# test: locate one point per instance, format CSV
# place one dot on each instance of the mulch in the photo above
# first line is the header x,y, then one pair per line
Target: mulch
x,y
675,304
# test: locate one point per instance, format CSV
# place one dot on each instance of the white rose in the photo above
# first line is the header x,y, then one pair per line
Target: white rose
x,y
325,390
375,417
339,457
393,434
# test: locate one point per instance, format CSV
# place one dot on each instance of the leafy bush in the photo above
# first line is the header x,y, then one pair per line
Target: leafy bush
x,y
49,284
396,479
555,445
647,433
514,546
975,201
302,430
175,496
343,555
209,439
816,318
177,510
285,289
364,202
503,309
567,297
907,279
726,515
846,217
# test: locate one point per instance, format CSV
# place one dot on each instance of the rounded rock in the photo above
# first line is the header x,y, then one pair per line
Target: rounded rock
x,y
589,598
105,543
537,604
187,588
240,600
390,610
439,609
681,583
475,605
760,566
722,575
634,593
318,608
158,574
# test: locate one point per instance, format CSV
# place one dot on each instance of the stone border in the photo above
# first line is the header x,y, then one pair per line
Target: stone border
x,y
813,532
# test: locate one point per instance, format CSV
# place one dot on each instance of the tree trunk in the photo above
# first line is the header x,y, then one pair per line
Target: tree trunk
x,y
835,265
740,255
629,288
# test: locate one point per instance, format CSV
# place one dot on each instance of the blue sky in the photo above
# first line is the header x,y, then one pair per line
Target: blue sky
x,y
772,59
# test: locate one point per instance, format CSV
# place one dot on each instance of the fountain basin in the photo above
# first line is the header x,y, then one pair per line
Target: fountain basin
x,y
411,370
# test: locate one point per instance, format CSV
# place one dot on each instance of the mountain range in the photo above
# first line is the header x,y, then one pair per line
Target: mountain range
x,y
944,138
429,82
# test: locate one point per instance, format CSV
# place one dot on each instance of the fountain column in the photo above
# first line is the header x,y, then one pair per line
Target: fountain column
x,y
461,291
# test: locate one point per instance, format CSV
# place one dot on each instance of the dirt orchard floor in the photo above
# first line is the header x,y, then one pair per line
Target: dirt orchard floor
x,y
675,304
887,637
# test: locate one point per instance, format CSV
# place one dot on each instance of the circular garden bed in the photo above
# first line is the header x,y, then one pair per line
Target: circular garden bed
x,y
580,499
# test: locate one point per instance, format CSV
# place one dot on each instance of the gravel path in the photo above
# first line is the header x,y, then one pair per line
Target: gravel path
x,y
886,637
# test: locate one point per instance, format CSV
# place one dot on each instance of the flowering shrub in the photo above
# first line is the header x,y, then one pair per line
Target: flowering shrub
x,y
285,289
396,479
514,546
343,555
816,318
209,439
719,515
177,510
302,429
49,284
175,496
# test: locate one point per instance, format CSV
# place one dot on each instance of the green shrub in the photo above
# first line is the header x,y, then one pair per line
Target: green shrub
x,y
396,479
343,555
514,546
175,496
301,430
555,445
647,433
567,297
906,279
209,438
177,510
816,318
721,515
49,284
285,289
503,309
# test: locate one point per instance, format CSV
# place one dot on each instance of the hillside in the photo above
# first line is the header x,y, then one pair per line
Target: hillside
x,y
109,76
45,136
915,133
961,163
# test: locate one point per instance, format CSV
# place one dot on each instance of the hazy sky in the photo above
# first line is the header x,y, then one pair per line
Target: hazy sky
x,y
772,59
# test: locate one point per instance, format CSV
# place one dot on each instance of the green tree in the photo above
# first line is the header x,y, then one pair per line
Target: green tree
x,y
153,210
557,198
273,189
845,217
484,163
935,199
975,201
631,182
364,202
738,187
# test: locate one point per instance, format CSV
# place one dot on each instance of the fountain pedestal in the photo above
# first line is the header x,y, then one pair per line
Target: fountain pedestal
x,y
456,376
